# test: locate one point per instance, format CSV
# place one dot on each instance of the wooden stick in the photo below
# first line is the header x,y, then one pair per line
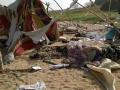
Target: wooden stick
x,y
1,63
58,5
110,2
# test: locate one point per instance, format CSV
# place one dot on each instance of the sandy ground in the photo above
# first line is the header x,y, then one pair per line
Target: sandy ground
x,y
60,79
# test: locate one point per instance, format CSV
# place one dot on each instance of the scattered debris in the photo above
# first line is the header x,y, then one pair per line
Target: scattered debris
x,y
71,29
37,86
63,39
35,56
35,68
85,47
112,52
80,34
53,67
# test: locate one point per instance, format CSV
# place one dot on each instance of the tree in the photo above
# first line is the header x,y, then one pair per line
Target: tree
x,y
74,4
88,4
47,5
104,4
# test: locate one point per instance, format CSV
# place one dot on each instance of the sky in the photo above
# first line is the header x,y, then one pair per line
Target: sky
x,y
63,3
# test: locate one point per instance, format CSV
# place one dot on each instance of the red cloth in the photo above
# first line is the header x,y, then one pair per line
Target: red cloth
x,y
4,22
28,25
52,28
28,45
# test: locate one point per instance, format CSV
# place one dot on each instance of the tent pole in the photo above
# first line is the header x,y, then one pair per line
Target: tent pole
x,y
58,5
91,12
102,13
1,63
110,2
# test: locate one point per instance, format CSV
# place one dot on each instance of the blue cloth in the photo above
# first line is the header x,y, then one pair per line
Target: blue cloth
x,y
111,34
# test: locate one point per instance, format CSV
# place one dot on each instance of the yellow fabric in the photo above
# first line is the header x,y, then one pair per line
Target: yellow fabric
x,y
38,22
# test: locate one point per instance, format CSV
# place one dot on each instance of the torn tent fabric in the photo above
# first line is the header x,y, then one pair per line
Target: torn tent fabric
x,y
4,21
34,26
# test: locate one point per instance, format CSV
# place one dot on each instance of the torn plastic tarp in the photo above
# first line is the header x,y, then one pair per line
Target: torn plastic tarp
x,y
112,32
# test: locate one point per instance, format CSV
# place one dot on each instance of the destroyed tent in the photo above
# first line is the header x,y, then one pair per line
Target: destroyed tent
x,y
26,24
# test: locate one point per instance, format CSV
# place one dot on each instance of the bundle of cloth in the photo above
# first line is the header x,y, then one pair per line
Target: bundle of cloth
x,y
25,23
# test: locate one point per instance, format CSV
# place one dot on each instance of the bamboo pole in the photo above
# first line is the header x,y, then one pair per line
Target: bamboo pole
x,y
110,2
58,5
107,17
91,12
1,63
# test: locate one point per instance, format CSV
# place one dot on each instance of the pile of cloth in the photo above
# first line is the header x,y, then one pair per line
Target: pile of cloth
x,y
98,61
80,53
25,24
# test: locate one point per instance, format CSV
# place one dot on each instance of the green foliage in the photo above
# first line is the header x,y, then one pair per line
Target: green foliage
x,y
81,15
104,4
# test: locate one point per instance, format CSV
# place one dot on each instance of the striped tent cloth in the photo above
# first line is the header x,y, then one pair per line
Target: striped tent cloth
x,y
27,24
35,24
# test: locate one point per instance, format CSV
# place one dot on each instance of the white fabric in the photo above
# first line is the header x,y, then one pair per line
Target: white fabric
x,y
9,57
39,35
37,86
14,5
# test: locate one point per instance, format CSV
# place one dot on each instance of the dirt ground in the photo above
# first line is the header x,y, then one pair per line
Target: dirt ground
x,y
60,79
